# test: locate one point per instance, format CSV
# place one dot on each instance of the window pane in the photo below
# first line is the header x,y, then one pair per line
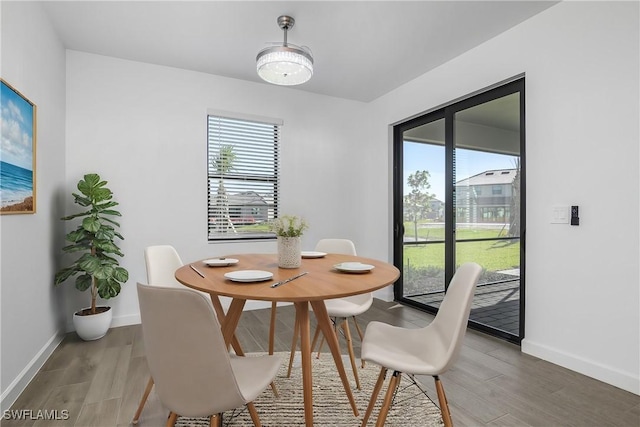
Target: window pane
x,y
242,178
487,153
423,271
423,209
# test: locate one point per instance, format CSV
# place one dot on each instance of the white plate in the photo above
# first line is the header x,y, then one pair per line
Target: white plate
x,y
220,262
353,267
312,254
248,275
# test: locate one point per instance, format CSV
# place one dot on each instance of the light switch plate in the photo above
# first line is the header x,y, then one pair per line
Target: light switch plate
x,y
560,215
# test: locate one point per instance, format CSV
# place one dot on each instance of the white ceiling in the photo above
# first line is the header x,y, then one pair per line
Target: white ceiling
x,y
362,49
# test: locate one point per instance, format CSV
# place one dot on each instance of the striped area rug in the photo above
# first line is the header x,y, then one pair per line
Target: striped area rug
x,y
331,406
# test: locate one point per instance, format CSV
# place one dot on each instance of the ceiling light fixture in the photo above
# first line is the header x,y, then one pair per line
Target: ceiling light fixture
x,y
285,64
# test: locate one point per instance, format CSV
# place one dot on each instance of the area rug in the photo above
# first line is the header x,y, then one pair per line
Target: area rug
x,y
330,404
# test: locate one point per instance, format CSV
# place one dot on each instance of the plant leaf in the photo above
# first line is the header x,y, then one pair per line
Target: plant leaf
x,y
77,247
76,235
105,233
90,181
89,263
66,218
110,212
108,288
111,221
120,274
64,274
101,194
83,282
103,272
91,224
107,246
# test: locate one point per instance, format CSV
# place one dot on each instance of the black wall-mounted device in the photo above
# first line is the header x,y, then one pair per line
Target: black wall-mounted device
x,y
575,219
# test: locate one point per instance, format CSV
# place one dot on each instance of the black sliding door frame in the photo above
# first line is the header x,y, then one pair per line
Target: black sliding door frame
x,y
447,113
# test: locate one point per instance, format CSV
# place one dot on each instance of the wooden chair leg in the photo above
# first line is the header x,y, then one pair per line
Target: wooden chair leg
x,y
294,345
335,330
374,395
272,326
316,335
215,420
143,401
254,414
321,343
352,357
393,385
171,421
274,389
360,334
444,405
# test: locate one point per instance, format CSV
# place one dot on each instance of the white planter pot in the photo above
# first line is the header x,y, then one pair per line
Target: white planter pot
x,y
94,326
289,253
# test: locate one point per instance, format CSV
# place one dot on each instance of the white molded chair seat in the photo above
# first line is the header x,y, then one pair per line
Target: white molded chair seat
x,y
406,350
349,306
193,372
431,350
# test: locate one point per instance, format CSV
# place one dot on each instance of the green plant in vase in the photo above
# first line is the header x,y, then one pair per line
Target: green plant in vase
x,y
288,229
288,226
94,239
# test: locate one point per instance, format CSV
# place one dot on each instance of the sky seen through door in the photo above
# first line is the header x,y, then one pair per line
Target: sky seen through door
x,y
430,157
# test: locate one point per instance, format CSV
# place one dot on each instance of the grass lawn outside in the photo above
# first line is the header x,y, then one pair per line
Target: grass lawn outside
x,y
423,265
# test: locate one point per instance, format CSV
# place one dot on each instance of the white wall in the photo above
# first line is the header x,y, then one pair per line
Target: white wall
x,y
33,62
143,129
582,130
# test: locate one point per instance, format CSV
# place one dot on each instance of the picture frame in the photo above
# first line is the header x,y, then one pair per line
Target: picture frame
x,y
17,152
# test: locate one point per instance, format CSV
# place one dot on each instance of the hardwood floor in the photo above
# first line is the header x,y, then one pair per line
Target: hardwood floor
x,y
99,383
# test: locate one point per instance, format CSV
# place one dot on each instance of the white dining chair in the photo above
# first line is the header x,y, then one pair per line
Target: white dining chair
x,y
188,358
339,309
161,262
431,350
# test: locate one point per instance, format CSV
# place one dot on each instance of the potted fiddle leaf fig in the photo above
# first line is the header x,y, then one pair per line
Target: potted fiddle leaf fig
x,y
96,268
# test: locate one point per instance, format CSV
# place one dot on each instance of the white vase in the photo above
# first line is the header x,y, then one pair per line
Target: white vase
x,y
93,326
289,254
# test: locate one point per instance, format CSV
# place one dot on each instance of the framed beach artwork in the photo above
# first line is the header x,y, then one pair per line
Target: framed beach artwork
x,y
17,152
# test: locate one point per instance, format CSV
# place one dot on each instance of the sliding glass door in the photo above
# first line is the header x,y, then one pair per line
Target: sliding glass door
x,y
458,197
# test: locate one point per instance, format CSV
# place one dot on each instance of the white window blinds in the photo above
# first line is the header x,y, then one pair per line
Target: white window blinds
x,y
242,178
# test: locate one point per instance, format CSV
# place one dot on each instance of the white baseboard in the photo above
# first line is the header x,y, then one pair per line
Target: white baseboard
x,y
23,379
134,319
624,380
385,294
131,319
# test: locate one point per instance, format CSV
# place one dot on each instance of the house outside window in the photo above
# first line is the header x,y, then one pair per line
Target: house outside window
x,y
485,197
242,176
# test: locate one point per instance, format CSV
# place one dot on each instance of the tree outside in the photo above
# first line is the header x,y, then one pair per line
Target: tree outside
x,y
417,204
222,164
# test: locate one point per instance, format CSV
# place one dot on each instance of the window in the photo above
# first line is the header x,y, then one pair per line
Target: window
x,y
496,190
242,181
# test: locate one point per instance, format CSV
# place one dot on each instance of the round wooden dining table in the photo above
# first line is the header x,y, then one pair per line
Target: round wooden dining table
x,y
321,282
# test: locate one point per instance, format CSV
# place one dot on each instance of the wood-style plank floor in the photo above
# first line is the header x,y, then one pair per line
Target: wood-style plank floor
x,y
100,383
